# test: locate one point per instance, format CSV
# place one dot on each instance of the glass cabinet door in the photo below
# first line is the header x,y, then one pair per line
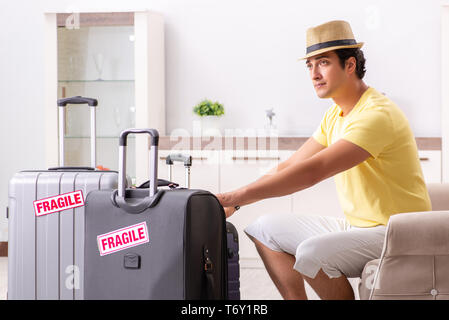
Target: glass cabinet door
x,y
117,58
96,60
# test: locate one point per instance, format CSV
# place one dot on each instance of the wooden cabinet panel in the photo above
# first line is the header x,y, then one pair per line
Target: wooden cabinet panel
x,y
431,165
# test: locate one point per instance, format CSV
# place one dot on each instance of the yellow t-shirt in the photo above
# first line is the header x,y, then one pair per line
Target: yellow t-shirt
x,y
391,180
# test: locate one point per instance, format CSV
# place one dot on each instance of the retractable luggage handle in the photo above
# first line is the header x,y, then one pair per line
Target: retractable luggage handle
x,y
118,196
187,160
62,103
153,159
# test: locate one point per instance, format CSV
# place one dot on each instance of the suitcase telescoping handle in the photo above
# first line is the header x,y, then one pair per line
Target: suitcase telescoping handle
x,y
62,103
187,160
153,159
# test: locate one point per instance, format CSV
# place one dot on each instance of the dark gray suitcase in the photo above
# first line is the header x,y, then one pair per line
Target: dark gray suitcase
x,y
46,253
184,255
232,237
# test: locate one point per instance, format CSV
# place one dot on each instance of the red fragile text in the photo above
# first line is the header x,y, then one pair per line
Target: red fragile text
x,y
122,238
58,203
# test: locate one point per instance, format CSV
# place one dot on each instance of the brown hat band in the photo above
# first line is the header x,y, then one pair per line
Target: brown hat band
x,y
328,44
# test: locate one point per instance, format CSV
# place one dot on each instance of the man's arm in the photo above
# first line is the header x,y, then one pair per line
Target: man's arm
x,y
308,149
299,175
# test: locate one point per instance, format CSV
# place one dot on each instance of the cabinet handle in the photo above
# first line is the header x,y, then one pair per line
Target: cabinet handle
x,y
193,158
256,158
424,159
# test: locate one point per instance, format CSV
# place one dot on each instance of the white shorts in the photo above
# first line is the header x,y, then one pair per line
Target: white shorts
x,y
320,242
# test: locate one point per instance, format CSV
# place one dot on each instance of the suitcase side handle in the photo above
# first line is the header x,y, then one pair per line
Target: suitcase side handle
x,y
160,183
153,159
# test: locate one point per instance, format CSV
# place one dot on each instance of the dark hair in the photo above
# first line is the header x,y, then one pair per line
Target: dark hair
x,y
345,54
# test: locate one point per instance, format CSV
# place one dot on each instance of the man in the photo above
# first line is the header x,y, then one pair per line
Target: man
x,y
365,141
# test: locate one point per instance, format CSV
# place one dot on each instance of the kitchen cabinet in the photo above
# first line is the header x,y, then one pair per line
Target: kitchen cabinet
x,y
431,165
117,58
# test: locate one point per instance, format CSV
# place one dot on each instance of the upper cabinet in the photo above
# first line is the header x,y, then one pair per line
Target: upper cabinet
x,y
117,58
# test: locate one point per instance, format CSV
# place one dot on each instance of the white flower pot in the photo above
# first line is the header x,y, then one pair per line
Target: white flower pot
x,y
210,126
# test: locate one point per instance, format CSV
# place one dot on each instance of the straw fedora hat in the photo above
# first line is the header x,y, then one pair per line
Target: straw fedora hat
x,y
329,36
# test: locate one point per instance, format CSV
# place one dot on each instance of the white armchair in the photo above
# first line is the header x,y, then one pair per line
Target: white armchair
x,y
415,256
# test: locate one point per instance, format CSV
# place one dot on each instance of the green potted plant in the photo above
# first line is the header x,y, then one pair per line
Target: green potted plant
x,y
209,112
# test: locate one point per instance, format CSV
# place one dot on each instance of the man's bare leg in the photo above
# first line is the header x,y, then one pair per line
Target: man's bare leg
x,y
331,289
279,265
290,283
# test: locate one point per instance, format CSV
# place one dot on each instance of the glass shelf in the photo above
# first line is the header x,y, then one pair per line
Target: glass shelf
x,y
98,137
96,81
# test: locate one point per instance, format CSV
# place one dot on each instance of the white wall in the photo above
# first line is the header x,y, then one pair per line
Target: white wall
x,y
241,53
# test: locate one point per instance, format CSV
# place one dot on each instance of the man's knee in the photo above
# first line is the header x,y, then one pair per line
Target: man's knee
x,y
312,255
310,250
267,231
271,223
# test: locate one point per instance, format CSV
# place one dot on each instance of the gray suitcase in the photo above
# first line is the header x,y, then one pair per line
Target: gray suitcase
x,y
232,237
46,253
179,252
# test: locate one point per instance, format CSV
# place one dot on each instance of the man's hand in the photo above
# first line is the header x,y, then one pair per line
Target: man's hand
x,y
229,211
228,200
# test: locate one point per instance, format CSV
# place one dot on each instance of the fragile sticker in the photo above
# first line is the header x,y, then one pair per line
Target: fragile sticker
x,y
57,203
123,238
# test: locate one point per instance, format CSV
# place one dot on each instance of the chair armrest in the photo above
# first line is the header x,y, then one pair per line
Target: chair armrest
x,y
438,193
414,258
417,233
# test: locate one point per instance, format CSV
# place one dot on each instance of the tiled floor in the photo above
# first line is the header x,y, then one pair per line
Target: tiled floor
x,y
255,283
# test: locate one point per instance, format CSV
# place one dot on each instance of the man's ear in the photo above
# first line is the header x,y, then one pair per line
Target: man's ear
x,y
350,64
